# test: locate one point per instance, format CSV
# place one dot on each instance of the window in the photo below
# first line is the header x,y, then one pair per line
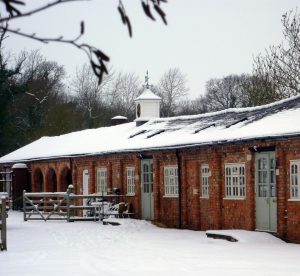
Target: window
x,y
235,183
130,181
171,181
102,180
295,175
205,174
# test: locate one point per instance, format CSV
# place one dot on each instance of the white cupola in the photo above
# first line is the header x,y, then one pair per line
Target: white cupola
x,y
147,105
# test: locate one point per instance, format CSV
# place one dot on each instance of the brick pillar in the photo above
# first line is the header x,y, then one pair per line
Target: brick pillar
x,y
193,195
184,193
156,189
109,177
137,202
215,197
59,179
118,177
75,179
47,182
281,181
250,189
92,178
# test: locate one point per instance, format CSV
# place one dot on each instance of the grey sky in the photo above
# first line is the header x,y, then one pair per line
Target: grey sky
x,y
204,39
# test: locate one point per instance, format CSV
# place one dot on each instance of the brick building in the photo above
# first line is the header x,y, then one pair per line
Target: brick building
x,y
233,169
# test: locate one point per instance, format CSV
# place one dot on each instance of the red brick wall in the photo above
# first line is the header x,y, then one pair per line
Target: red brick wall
x,y
289,214
198,213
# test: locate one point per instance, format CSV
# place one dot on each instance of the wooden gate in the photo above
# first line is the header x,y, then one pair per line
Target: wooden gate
x,y
45,206
69,206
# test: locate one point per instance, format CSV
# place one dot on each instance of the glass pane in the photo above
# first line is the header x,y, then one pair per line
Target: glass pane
x,y
273,191
262,190
264,177
259,164
264,163
259,177
272,176
272,163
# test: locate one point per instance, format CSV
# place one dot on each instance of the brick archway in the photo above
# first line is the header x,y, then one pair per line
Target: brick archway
x,y
51,183
65,179
38,181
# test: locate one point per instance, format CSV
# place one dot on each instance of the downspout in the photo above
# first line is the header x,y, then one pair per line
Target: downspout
x,y
179,190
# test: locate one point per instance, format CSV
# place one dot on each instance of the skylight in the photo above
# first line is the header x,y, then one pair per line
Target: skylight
x,y
236,122
137,133
202,128
156,133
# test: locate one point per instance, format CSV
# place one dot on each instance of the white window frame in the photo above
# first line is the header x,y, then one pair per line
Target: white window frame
x,y
130,181
235,181
294,180
205,174
171,181
102,180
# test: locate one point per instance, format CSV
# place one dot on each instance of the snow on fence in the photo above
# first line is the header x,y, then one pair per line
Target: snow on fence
x,y
3,243
71,207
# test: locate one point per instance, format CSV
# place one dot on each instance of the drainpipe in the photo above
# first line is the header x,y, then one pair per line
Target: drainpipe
x,y
179,190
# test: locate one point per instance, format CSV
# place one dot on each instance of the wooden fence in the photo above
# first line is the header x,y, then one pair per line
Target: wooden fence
x,y
3,241
70,207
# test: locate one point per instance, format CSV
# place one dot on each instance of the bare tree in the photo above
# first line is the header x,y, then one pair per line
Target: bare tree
x,y
172,88
98,60
224,93
124,89
257,90
192,107
89,94
281,64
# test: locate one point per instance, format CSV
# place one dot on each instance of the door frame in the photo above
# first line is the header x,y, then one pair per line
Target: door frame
x,y
147,214
266,207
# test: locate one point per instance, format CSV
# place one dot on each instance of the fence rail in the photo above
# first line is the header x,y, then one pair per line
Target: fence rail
x,y
68,206
3,240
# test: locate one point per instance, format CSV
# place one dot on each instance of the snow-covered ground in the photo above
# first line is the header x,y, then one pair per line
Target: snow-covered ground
x,y
139,248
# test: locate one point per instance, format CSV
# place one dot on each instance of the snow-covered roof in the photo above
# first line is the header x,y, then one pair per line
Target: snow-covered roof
x,y
148,95
269,121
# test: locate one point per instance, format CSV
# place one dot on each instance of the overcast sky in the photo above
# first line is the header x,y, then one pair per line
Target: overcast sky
x,y
204,38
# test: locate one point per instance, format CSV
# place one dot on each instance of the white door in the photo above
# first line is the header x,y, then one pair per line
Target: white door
x,y
147,189
266,193
85,188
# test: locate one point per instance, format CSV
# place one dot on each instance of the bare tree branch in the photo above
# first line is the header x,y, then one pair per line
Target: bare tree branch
x,y
16,13
96,57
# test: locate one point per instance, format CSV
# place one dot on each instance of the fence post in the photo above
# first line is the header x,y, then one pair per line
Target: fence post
x,y
3,228
69,201
24,206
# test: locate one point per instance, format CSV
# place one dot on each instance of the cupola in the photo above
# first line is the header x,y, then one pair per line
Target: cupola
x,y
147,105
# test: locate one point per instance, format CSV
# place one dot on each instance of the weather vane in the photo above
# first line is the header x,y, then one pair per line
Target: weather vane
x,y
147,85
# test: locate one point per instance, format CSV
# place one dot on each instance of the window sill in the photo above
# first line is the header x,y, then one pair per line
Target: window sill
x,y
294,199
130,194
170,196
234,198
204,197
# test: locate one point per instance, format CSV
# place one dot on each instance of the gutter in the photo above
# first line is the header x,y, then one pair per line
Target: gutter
x,y
179,190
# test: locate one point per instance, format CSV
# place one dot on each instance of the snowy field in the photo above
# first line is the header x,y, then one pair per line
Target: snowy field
x,y
138,248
